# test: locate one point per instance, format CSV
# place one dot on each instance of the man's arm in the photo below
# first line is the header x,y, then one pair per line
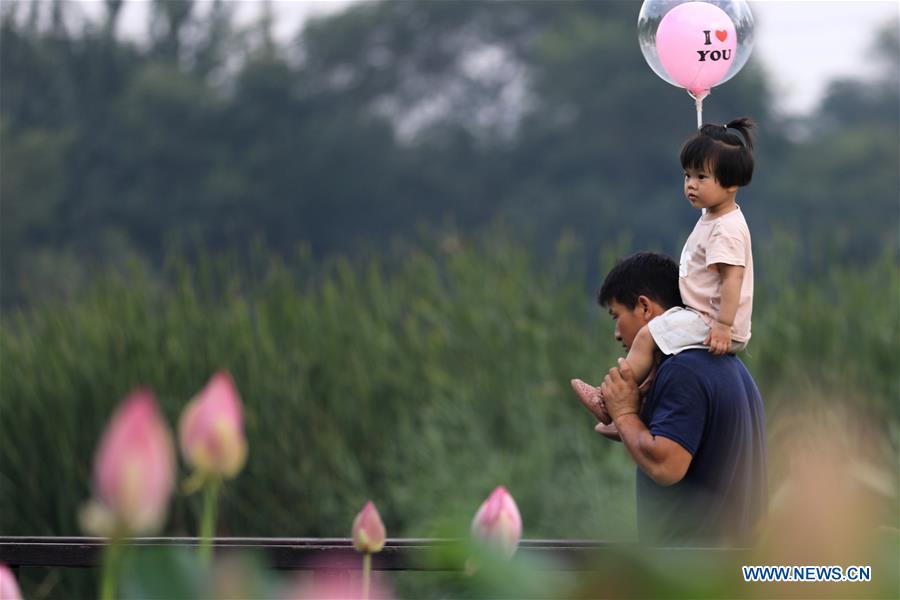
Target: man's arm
x,y
662,459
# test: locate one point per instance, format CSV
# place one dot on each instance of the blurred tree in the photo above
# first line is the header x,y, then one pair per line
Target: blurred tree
x,y
837,187
216,41
421,63
31,191
113,10
854,103
168,19
391,115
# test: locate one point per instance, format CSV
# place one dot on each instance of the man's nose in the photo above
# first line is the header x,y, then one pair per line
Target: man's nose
x,y
618,335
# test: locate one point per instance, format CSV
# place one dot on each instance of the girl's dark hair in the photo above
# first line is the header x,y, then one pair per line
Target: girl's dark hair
x,y
727,150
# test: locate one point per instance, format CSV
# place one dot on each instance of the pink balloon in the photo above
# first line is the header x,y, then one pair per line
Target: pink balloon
x,y
696,43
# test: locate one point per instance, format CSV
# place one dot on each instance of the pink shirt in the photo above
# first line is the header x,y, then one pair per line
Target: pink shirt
x,y
725,239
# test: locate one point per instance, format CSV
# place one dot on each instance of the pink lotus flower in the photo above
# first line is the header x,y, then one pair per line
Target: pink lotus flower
x,y
9,589
368,530
134,470
211,430
498,523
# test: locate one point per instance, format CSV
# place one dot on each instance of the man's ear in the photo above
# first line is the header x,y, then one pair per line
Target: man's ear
x,y
643,304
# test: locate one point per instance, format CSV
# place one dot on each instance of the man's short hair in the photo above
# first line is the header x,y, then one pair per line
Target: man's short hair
x,y
642,274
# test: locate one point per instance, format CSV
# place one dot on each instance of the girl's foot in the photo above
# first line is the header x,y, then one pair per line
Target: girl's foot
x,y
591,399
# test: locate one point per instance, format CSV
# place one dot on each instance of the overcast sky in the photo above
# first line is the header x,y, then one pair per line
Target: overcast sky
x,y
806,43
803,43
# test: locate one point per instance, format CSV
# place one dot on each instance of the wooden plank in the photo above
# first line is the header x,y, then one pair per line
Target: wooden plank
x,y
399,554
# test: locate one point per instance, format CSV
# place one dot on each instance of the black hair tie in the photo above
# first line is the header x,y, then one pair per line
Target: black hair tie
x,y
741,138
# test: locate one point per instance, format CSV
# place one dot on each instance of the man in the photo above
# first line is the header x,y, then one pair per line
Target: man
x,y
699,438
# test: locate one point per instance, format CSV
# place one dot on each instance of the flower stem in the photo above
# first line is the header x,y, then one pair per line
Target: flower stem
x,y
367,571
111,558
208,520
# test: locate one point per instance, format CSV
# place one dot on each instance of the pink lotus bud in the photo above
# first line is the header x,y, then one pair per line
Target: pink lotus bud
x,y
134,469
211,430
9,589
498,523
368,530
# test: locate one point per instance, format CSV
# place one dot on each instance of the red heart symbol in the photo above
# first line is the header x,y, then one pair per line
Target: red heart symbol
x,y
721,35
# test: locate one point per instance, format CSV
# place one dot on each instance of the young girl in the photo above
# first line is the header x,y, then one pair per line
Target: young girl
x,y
716,267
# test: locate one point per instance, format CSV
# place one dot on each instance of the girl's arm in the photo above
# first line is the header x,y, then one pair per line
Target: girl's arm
x,y
719,339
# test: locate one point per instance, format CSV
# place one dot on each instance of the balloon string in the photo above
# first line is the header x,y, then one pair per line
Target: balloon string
x,y
698,102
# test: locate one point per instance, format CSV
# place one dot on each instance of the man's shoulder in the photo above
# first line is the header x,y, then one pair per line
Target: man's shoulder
x,y
687,360
702,365
680,372
696,362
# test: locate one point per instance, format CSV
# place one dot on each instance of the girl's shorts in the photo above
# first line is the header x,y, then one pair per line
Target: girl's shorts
x,y
682,328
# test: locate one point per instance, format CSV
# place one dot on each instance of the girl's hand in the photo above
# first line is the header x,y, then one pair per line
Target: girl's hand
x,y
719,339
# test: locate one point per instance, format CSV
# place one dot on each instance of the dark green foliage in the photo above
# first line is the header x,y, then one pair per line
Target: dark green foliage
x,y
387,116
421,388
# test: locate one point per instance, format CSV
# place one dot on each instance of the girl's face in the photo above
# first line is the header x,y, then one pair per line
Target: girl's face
x,y
703,191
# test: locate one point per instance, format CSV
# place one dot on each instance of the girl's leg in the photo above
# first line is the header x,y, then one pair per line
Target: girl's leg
x,y
640,357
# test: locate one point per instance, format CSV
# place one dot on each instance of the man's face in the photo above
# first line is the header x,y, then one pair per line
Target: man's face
x,y
628,321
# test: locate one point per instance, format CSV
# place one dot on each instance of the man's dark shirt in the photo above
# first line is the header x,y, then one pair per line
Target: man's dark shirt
x,y
709,405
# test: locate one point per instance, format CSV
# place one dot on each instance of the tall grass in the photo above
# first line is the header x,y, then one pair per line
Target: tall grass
x,y
421,386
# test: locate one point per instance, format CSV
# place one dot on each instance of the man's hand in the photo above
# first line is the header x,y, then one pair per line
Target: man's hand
x,y
663,460
620,391
719,338
592,400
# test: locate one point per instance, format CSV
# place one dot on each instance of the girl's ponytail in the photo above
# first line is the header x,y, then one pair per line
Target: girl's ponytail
x,y
738,132
745,126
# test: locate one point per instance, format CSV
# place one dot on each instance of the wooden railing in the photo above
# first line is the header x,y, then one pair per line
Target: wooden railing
x,y
399,554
